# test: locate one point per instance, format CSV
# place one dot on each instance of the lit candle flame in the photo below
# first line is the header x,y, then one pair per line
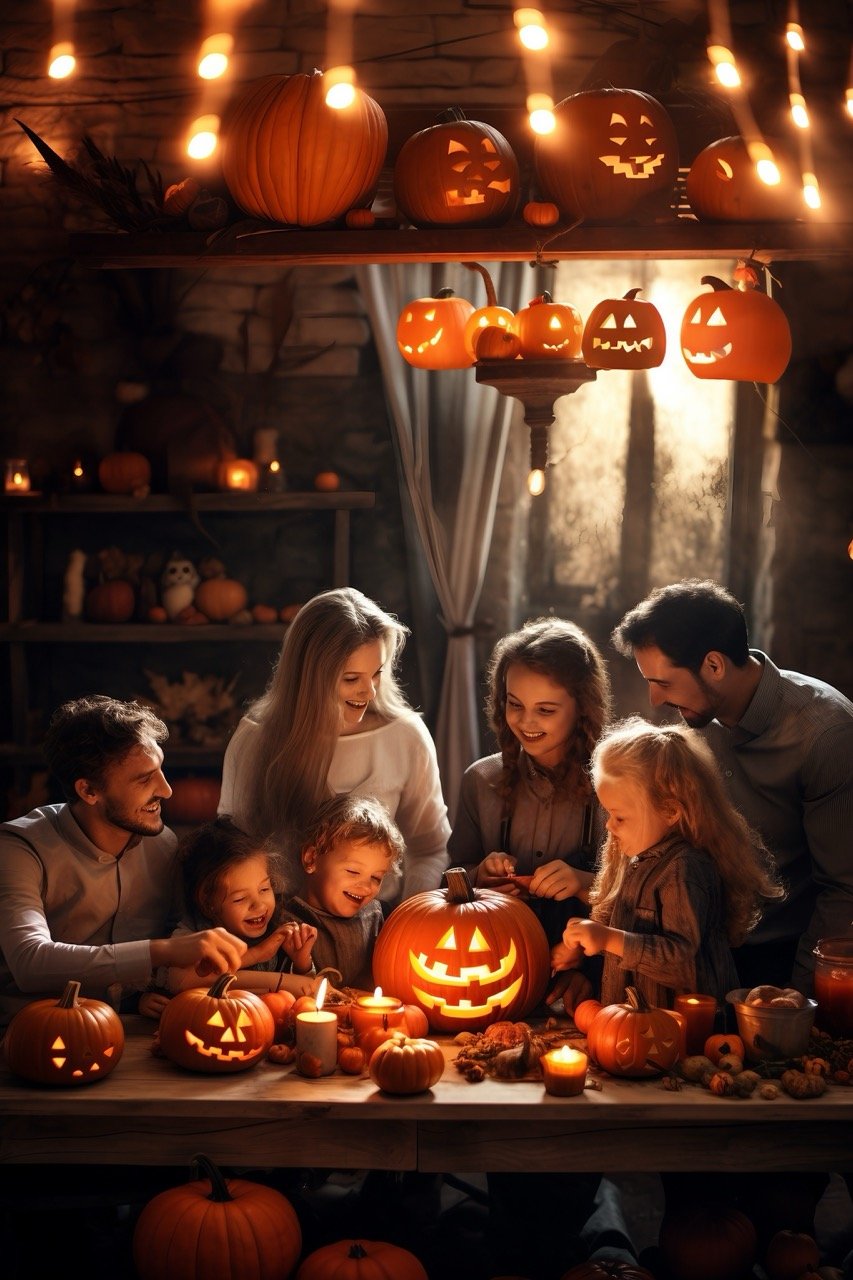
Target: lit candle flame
x,y
321,994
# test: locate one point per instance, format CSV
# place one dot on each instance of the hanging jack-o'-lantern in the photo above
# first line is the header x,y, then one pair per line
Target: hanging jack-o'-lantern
x,y
220,1030
430,332
633,1039
624,333
457,173
467,956
740,333
613,157
491,316
68,1041
549,330
723,186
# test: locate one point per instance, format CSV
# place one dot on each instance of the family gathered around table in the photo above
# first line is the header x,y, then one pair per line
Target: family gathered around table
x,y
702,856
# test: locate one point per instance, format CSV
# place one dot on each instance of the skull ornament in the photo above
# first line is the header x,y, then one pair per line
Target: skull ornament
x,y
67,1041
216,1031
457,172
467,957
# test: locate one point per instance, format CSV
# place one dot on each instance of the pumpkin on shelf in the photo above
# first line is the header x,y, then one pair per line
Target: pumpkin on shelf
x,y
289,157
634,1038
707,1242
723,186
468,957
490,316
221,1030
613,157
361,1260
125,472
69,1041
457,172
624,333
430,332
110,602
494,343
216,1228
739,333
549,330
193,800
540,213
220,599
403,1065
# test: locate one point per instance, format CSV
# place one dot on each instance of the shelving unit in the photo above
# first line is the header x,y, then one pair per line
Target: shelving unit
x,y
26,517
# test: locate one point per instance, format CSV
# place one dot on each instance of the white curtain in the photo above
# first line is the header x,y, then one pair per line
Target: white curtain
x,y
451,435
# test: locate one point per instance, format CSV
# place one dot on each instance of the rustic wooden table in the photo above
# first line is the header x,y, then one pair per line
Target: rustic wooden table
x,y
149,1111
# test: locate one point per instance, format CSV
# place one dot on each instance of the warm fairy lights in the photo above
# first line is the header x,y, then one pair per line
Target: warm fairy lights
x,y
536,482
799,111
794,37
214,56
540,112
725,69
61,61
532,31
203,137
765,165
811,191
340,92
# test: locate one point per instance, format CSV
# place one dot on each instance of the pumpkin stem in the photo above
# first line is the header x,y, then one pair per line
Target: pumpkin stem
x,y
356,1251
68,999
636,1000
716,283
446,292
219,1192
458,885
451,115
221,985
544,297
491,296
632,294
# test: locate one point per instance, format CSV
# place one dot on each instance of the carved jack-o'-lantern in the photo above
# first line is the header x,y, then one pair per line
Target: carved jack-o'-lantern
x,y
739,334
723,186
613,156
633,1039
624,333
430,332
66,1041
220,1030
549,330
457,173
467,956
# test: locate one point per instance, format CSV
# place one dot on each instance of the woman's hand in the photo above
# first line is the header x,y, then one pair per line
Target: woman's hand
x,y
559,881
152,1003
493,871
589,935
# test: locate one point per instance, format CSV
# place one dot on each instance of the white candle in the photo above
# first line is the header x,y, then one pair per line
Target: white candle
x,y
317,1039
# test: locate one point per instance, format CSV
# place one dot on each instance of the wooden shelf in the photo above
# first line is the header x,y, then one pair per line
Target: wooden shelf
x,y
239,503
180,756
140,632
272,245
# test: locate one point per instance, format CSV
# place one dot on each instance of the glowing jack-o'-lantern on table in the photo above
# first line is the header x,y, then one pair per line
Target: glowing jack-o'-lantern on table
x,y
457,173
739,334
468,957
216,1031
68,1041
624,333
612,157
549,330
634,1039
430,332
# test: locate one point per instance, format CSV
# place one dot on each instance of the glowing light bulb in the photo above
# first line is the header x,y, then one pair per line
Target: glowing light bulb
x,y
723,62
540,113
203,137
340,91
799,112
811,191
765,166
536,482
214,55
61,61
532,31
794,36
848,101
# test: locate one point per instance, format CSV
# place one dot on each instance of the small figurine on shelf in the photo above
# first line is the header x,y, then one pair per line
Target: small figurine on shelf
x,y
178,582
74,586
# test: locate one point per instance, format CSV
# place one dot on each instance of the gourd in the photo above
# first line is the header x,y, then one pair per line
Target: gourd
x,y
221,1030
217,1228
403,1065
70,1041
633,1039
361,1260
707,1242
540,213
719,1045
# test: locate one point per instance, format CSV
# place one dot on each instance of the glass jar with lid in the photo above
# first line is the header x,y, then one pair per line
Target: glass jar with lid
x,y
833,985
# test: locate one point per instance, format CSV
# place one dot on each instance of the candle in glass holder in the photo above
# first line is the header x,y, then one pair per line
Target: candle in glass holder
x,y
17,476
377,1013
240,474
317,1036
564,1071
700,1014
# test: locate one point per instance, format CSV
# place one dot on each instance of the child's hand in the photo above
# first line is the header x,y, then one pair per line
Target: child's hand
x,y
573,986
493,871
557,880
565,957
590,936
297,942
152,1003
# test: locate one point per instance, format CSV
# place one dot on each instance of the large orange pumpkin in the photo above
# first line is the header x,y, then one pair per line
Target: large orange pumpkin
x,y
217,1228
361,1260
723,186
457,173
707,1242
68,1041
613,157
633,1039
289,157
740,334
624,333
467,956
124,472
431,332
216,1031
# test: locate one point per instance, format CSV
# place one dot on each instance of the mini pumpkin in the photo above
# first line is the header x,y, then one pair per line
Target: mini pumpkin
x,y
584,1013
430,332
220,598
111,601
69,1041
494,343
403,1065
739,334
124,472
624,333
220,1030
540,213
718,1046
468,957
217,1228
549,330
457,172
723,186
491,316
633,1039
361,1260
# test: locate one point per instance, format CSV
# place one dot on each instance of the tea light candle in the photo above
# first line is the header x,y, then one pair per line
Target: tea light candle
x,y
700,1014
80,480
241,474
317,1035
564,1071
17,476
382,1013
273,479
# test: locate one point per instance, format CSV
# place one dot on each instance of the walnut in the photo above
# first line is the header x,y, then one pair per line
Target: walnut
x,y
768,1090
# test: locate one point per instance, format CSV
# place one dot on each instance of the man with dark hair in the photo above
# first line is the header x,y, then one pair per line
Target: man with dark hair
x,y
89,888
784,743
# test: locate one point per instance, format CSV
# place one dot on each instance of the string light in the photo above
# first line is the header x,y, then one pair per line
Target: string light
x,y
765,165
203,137
532,31
799,111
536,483
61,61
794,36
340,92
725,69
811,191
540,113
214,56
848,101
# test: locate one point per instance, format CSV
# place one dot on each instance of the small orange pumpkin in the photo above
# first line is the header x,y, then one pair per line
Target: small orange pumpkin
x,y
220,598
790,1254
584,1013
707,1242
403,1065
430,332
216,1031
280,1005
124,472
540,213
717,1046
360,219
493,343
633,1039
361,1260
487,317
111,601
549,330
68,1041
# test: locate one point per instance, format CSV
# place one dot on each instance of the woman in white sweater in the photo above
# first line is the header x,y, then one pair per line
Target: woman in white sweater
x,y
333,720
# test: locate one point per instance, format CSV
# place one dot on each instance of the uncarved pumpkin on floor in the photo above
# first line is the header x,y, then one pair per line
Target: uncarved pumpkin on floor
x,y
361,1260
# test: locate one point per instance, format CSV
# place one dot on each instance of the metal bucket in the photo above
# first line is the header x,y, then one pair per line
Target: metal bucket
x,y
770,1034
